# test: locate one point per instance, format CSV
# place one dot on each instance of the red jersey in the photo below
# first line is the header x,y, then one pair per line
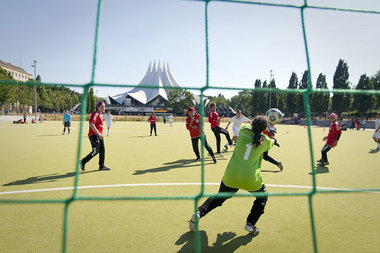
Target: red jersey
x,y
195,130
97,121
213,119
333,133
152,119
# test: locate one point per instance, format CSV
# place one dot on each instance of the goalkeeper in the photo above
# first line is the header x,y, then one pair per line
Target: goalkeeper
x,y
243,172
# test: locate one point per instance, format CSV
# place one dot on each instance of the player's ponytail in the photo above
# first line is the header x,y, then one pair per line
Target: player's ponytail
x,y
259,124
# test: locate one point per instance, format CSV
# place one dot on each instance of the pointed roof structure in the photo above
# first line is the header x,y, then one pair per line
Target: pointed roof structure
x,y
159,78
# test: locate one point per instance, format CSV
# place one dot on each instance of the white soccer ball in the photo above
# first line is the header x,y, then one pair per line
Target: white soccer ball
x,y
274,116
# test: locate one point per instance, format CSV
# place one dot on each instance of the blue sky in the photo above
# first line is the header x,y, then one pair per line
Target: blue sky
x,y
245,41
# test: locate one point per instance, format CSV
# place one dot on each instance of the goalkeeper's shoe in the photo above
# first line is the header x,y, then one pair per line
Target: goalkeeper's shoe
x,y
104,168
253,230
280,166
193,220
82,166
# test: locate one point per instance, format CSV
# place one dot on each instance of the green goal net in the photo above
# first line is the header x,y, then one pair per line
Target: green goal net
x,y
305,93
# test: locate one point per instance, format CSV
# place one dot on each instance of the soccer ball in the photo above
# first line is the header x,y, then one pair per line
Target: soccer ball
x,y
274,116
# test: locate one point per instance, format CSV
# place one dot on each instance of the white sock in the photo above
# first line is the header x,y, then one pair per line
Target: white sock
x,y
108,132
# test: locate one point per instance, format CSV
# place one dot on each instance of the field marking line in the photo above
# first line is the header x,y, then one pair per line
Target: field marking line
x,y
166,184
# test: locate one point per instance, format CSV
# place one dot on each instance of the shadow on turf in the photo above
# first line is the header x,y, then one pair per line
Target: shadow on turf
x,y
140,136
45,178
320,170
226,242
181,163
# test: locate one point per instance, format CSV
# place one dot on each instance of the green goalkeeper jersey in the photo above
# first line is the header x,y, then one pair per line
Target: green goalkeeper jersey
x,y
244,169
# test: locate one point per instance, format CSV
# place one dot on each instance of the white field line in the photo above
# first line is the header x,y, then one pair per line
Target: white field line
x,y
165,184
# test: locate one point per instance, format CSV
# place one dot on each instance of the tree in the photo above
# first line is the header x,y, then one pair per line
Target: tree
x,y
320,101
376,86
91,101
304,84
219,100
363,103
180,100
341,101
272,97
256,97
7,92
292,99
243,102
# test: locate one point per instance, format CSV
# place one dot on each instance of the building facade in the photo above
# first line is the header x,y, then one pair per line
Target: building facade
x,y
17,73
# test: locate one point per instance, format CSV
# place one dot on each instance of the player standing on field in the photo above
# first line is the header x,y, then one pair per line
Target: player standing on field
x,y
153,119
237,120
171,119
109,118
95,134
376,134
193,122
214,119
66,122
243,172
332,138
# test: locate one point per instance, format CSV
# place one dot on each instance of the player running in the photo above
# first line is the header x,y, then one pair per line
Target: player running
x,y
193,122
243,172
376,134
237,121
332,139
95,134
214,119
153,119
171,119
108,117
66,122
270,132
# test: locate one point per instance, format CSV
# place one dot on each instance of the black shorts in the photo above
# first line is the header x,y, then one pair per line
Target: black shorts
x,y
67,124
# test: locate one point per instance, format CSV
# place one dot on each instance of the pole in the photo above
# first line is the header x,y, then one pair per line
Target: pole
x,y
35,90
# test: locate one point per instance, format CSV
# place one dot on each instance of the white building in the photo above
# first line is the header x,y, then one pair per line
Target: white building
x,y
17,73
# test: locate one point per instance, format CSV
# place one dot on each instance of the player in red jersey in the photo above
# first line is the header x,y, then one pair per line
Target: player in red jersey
x,y
270,132
152,119
95,134
332,138
193,122
214,119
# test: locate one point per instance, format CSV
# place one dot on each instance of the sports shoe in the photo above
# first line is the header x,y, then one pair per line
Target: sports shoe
x,y
320,160
252,229
280,166
197,160
214,160
226,146
324,163
220,153
82,166
104,168
192,221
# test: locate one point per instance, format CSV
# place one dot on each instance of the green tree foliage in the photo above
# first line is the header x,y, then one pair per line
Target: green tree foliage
x,y
363,103
180,100
320,101
376,86
304,84
292,99
243,102
219,100
7,92
272,97
91,101
341,102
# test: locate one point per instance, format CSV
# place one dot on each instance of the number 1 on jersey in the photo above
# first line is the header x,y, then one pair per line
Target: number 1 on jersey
x,y
248,151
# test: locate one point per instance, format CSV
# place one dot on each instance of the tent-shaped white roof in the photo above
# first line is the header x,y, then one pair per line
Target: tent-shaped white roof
x,y
157,77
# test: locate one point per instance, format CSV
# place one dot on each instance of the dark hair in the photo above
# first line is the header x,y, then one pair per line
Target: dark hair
x,y
259,124
212,104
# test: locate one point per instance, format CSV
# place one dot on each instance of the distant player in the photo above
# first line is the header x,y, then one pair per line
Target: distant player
x,y
376,134
214,119
243,172
193,122
237,121
171,119
270,132
66,122
95,134
153,119
164,119
332,138
108,117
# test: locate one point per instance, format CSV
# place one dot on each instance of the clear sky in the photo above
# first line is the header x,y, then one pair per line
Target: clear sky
x,y
245,41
